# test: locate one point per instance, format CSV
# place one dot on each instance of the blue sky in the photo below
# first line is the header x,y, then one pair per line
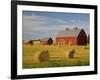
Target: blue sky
x,y
37,25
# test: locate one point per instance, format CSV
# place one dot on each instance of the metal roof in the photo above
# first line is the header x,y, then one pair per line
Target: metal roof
x,y
69,33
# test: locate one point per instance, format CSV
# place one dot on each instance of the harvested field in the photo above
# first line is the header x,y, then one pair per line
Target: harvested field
x,y
57,56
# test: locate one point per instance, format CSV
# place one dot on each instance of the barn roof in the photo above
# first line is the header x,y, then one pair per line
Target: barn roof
x,y
69,33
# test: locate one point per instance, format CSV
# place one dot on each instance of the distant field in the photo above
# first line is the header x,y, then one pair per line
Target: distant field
x,y
58,56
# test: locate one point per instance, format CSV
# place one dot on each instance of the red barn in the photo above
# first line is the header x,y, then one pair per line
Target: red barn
x,y
71,37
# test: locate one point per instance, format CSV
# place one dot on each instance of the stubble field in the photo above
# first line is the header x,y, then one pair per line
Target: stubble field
x,y
58,56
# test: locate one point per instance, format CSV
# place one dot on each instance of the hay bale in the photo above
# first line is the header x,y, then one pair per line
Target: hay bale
x,y
41,56
86,47
71,53
44,56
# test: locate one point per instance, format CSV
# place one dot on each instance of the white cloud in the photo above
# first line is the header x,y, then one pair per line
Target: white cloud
x,y
41,23
38,26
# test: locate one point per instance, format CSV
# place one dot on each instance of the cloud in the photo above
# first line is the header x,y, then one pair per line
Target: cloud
x,y
35,27
43,20
41,23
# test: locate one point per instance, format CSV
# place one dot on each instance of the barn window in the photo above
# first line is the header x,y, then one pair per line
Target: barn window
x,y
62,41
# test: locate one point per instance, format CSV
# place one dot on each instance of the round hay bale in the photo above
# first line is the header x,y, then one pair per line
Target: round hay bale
x,y
44,56
86,47
71,53
41,56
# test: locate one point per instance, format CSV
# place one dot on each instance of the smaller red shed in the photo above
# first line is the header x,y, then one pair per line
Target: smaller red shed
x,y
46,41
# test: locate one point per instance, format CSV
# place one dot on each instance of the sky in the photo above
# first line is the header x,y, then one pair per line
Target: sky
x,y
39,24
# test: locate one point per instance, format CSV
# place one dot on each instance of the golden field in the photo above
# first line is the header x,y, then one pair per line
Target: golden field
x,y
58,56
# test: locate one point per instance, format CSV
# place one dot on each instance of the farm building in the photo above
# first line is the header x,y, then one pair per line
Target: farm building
x,y
36,41
25,41
46,41
71,37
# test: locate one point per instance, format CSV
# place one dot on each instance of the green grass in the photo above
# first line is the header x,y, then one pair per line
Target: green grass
x,y
58,56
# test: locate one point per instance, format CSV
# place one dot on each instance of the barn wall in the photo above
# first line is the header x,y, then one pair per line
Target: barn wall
x,y
66,40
